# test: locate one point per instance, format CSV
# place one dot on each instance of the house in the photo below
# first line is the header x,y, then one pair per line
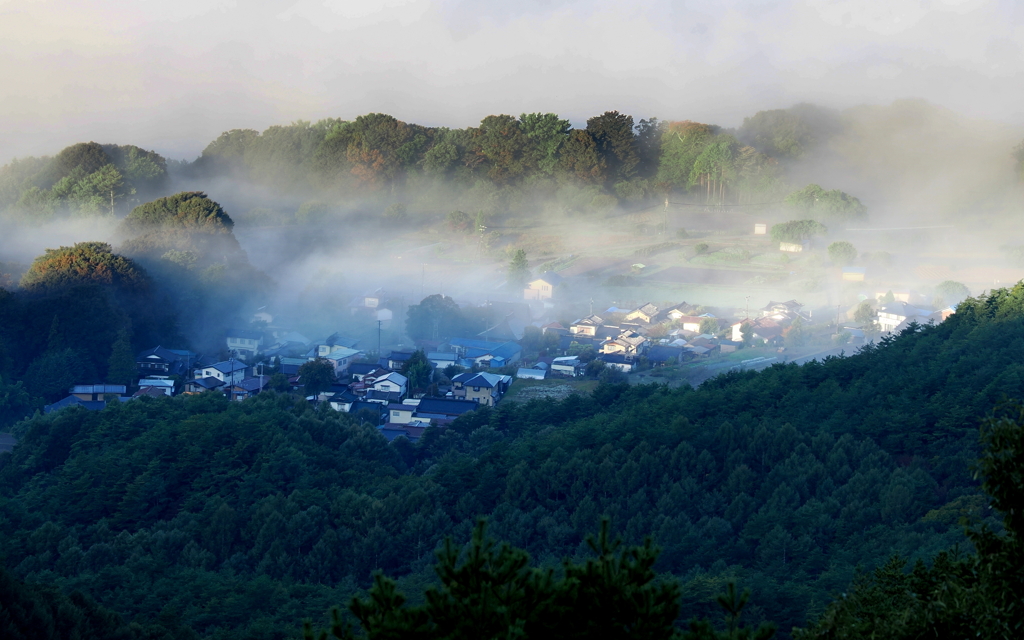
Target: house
x,y
760,228
690,323
165,362
630,343
342,400
97,392
401,413
645,313
441,360
397,359
359,370
531,374
199,385
149,392
674,313
567,365
341,358
164,385
487,354
542,288
764,329
782,311
411,431
586,326
74,401
444,409
619,361
228,371
248,387
375,412
661,355
392,382
383,397
244,344
893,314
483,388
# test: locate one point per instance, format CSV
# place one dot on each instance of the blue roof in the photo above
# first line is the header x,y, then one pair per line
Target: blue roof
x,y
70,401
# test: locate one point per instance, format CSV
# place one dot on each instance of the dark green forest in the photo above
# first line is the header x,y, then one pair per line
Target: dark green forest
x,y
244,518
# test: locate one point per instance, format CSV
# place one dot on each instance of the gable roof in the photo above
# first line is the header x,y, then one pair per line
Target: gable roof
x,y
207,383
362,368
394,377
489,380
648,309
227,366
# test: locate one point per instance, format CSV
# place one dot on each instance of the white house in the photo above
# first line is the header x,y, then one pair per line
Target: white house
x,y
228,371
391,383
893,314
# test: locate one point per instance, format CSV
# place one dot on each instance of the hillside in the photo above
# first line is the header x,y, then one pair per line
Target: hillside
x,y
785,480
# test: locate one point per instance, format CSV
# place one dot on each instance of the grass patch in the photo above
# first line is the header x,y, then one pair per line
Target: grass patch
x,y
551,388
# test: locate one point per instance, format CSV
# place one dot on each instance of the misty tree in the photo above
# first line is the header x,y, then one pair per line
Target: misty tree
x,y
796,334
459,221
417,370
518,269
709,326
796,231
435,317
1018,155
842,253
864,313
316,376
951,292
816,202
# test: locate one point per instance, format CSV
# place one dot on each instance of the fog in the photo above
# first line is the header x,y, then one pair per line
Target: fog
x,y
924,93
172,76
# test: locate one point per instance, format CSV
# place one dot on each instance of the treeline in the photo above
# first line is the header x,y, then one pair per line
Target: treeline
x,y
204,510
503,164
84,179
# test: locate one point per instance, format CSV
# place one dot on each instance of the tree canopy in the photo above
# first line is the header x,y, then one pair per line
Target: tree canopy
x,y
86,263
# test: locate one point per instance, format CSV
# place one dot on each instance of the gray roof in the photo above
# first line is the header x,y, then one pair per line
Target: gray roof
x,y
446,406
228,366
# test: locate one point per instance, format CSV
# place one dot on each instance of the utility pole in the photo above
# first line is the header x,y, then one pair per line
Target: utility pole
x,y
378,338
748,307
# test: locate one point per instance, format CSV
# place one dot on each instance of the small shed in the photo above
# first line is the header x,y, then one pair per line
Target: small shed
x,y
531,374
760,228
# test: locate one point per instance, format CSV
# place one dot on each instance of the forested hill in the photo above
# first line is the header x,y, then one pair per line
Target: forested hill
x,y
240,519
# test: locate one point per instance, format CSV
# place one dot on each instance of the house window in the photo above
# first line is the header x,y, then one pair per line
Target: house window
x,y
476,388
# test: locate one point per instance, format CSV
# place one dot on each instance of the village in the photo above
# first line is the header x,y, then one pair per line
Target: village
x,y
525,353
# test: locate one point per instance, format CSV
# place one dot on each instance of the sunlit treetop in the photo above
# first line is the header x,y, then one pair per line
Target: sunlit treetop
x,y
82,264
186,211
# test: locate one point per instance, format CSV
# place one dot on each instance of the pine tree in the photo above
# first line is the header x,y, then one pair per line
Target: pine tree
x,y
121,366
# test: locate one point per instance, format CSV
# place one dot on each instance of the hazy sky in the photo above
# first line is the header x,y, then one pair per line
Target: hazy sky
x,y
173,75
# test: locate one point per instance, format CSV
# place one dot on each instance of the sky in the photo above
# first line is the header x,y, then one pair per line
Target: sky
x,y
171,76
